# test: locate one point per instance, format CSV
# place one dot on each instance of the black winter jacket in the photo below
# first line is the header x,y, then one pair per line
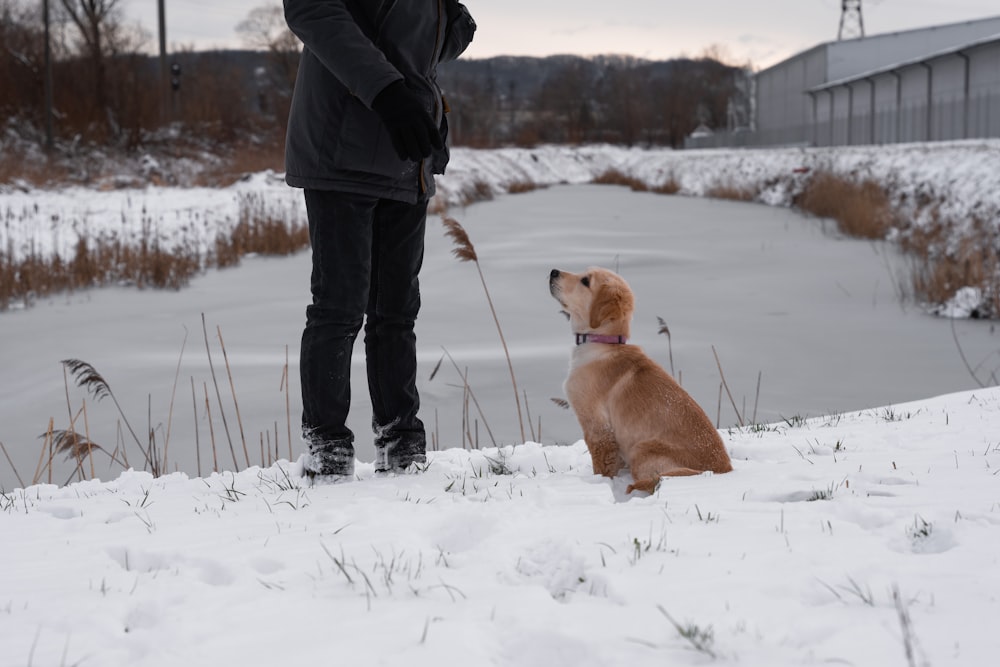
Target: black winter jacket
x,y
353,50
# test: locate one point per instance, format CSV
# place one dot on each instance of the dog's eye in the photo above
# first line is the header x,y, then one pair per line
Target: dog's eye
x,y
586,281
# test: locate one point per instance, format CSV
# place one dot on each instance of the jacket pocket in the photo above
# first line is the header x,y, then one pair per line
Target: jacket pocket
x,y
364,145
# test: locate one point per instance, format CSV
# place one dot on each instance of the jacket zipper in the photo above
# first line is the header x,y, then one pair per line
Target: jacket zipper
x,y
430,68
382,13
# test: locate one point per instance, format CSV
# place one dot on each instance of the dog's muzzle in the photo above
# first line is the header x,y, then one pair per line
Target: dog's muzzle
x,y
554,276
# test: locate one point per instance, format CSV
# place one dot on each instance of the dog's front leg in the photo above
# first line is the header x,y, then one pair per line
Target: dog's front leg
x,y
604,452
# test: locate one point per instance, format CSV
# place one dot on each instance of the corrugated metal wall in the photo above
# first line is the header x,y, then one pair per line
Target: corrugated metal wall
x,y
949,97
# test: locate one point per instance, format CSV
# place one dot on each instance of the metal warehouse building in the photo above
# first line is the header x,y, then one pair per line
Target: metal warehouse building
x,y
930,84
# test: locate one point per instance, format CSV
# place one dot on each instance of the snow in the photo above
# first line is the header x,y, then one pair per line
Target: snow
x,y
955,183
859,537
521,556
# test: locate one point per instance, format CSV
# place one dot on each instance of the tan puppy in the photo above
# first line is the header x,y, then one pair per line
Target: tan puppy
x,y
630,409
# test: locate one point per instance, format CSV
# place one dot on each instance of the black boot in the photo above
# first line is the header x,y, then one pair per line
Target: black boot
x,y
330,458
397,451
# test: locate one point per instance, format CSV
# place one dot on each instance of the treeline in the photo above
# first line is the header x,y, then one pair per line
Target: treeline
x,y
614,99
107,89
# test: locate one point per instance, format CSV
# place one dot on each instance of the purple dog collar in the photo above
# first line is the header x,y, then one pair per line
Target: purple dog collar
x,y
582,338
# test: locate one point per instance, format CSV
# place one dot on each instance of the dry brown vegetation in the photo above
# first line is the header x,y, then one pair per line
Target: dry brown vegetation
x,y
148,261
241,158
617,177
668,187
520,187
943,266
942,263
730,192
861,210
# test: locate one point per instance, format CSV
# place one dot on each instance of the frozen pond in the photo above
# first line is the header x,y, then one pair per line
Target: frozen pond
x,y
816,317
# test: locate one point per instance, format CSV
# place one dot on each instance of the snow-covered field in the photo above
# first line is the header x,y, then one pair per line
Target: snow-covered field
x,y
859,539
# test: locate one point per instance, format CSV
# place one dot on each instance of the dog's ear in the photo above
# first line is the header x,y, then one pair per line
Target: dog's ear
x,y
611,302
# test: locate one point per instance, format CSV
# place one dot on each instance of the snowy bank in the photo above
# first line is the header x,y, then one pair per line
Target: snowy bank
x,y
954,184
853,539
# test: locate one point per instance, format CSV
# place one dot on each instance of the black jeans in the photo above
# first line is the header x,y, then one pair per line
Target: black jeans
x,y
366,254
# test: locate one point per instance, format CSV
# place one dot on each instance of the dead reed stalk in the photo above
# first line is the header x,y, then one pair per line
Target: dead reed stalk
x,y
218,395
197,436
90,380
467,391
466,252
726,385
211,432
665,330
288,408
173,393
232,389
12,466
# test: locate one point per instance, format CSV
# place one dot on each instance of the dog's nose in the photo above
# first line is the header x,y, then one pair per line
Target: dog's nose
x,y
555,274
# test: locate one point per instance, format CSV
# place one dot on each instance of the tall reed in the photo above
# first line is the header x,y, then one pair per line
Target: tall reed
x,y
466,252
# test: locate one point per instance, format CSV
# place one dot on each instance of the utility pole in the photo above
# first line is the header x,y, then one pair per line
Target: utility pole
x,y
48,77
164,76
852,24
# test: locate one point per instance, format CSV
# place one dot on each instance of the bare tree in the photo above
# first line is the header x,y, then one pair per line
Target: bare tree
x,y
265,29
91,18
21,56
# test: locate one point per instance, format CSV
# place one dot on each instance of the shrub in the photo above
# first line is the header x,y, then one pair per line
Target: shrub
x,y
730,192
860,210
616,177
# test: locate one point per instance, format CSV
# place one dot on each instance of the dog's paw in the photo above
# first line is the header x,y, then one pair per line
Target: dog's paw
x,y
647,485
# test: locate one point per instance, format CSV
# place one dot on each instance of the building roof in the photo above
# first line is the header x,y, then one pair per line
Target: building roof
x,y
956,50
846,59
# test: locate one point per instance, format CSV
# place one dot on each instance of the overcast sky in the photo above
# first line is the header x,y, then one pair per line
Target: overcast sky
x,y
760,32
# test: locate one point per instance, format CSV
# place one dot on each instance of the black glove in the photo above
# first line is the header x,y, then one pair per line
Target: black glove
x,y
411,128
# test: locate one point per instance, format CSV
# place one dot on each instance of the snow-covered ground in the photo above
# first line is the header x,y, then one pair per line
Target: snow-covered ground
x,y
861,539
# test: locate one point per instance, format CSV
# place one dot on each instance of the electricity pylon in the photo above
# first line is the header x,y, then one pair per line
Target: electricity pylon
x,y
852,24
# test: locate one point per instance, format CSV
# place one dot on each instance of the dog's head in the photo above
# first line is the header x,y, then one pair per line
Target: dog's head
x,y
597,301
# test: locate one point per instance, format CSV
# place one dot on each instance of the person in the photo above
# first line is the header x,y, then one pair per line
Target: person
x,y
366,134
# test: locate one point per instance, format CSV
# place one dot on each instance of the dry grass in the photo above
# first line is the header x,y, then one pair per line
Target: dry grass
x,y
861,210
730,192
16,166
476,192
668,187
616,177
520,187
148,261
943,266
242,159
265,230
96,262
